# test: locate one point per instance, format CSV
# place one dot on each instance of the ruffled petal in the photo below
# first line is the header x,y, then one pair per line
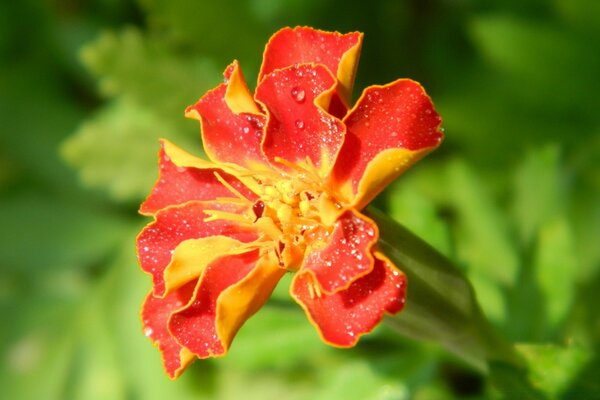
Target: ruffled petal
x,y
230,135
155,314
390,128
230,290
341,318
157,242
302,45
347,254
297,126
178,184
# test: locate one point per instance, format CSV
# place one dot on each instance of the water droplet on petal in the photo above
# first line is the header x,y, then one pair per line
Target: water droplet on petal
x,y
246,129
298,94
148,331
299,124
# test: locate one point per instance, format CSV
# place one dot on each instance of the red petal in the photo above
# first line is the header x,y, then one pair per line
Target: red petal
x,y
228,136
343,316
303,45
155,314
399,115
195,326
179,184
173,225
297,128
347,255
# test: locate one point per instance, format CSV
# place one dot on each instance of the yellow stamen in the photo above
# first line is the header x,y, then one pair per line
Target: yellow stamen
x,y
317,289
215,215
231,188
311,291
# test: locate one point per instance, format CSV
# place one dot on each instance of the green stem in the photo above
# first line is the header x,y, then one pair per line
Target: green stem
x,y
441,305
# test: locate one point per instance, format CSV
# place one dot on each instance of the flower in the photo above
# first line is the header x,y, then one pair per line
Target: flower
x,y
291,167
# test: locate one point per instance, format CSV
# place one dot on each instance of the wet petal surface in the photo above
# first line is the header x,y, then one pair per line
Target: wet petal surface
x,y
297,128
180,184
347,254
195,325
155,314
343,316
157,241
399,116
228,136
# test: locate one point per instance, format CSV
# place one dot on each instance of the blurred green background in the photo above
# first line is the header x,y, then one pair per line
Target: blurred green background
x,y
512,196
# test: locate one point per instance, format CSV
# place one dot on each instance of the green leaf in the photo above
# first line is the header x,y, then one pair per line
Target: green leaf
x,y
556,268
552,369
148,70
483,242
151,85
117,150
537,190
410,207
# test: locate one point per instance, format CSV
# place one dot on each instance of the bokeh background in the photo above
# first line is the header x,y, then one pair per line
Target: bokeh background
x,y
512,196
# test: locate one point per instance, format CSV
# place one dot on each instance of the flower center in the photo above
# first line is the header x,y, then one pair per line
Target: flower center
x,y
295,210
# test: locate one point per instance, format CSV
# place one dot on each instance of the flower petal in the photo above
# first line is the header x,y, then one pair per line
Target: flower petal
x,y
230,290
389,129
240,301
341,318
155,314
157,242
347,254
192,256
230,135
302,45
178,184
297,126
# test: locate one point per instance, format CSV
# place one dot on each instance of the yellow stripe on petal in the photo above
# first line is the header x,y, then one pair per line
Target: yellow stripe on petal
x,y
181,158
185,359
192,256
240,301
381,170
347,71
238,96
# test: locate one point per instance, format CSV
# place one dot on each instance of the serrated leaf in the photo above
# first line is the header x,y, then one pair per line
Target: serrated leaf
x,y
190,23
117,150
149,71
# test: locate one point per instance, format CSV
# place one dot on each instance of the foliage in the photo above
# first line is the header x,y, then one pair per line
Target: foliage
x,y
512,197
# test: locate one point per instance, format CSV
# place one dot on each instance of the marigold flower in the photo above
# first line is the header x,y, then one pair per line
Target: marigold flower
x,y
290,169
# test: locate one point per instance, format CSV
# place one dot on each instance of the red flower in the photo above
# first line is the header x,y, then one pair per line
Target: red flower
x,y
291,167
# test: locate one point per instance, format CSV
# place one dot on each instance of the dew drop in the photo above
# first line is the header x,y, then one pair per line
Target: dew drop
x,y
245,129
299,124
148,331
298,94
